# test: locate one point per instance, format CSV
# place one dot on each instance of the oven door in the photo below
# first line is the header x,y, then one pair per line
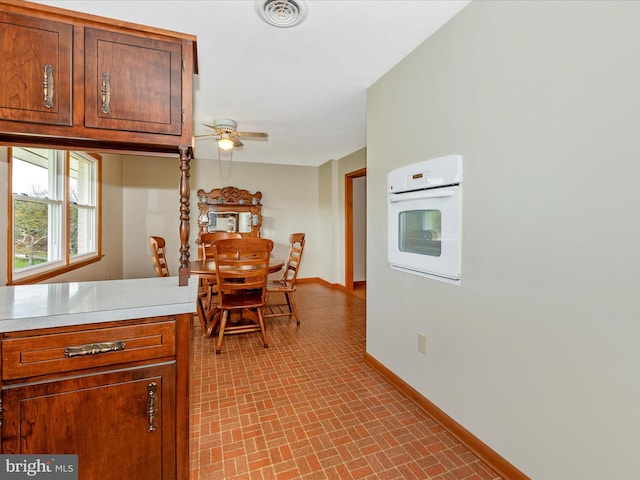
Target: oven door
x,y
425,232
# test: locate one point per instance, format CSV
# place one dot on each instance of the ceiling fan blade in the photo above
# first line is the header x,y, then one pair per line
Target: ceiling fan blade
x,y
214,128
207,135
236,142
252,134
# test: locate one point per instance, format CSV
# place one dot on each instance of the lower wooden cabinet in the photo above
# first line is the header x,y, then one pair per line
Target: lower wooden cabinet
x,y
115,422
125,416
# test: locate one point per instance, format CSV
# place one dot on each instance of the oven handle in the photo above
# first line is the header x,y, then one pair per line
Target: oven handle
x,y
432,193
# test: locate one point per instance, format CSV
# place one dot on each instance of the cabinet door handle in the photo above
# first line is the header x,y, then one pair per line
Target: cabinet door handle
x,y
94,349
48,85
152,406
105,92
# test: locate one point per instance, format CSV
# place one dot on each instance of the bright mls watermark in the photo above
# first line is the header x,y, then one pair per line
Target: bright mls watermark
x,y
49,467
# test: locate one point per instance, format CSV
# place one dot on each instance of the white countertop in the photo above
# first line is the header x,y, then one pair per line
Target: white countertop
x,y
27,307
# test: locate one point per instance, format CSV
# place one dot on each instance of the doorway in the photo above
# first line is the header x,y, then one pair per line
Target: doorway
x,y
355,229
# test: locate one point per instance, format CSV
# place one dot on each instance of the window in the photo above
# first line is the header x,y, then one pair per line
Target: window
x,y
55,212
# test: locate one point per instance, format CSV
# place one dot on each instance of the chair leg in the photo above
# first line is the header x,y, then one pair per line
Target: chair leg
x,y
287,297
201,314
223,325
267,308
262,328
292,306
213,319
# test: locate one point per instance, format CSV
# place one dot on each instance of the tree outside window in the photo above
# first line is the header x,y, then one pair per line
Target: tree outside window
x,y
55,214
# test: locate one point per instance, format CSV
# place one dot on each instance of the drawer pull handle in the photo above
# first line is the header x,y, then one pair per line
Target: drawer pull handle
x,y
94,349
105,93
48,86
152,406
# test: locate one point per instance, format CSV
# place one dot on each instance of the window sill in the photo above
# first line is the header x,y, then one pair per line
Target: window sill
x,y
39,277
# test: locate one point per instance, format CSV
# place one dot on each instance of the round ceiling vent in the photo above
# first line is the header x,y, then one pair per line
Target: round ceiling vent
x,y
282,13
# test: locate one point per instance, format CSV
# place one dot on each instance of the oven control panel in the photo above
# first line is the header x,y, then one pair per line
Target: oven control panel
x,y
417,181
432,173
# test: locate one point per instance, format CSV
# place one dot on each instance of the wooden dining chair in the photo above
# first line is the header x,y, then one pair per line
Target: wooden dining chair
x,y
207,239
242,269
286,285
207,304
159,259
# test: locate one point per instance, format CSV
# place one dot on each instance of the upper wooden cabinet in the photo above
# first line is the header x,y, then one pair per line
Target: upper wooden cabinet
x,y
35,69
79,80
132,83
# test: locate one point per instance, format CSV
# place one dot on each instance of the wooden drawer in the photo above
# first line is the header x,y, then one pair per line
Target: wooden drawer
x,y
64,352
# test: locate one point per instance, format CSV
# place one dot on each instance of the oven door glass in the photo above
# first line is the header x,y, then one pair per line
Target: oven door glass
x,y
420,232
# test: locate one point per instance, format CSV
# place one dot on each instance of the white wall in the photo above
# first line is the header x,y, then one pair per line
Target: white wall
x,y
536,353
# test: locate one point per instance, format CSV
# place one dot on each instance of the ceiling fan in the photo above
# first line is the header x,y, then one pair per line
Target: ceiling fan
x,y
225,130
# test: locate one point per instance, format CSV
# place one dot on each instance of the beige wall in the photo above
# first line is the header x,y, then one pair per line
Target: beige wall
x,y
331,210
327,205
141,198
360,229
349,163
150,191
536,351
152,202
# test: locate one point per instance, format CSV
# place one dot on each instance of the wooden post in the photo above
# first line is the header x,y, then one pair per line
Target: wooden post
x,y
186,154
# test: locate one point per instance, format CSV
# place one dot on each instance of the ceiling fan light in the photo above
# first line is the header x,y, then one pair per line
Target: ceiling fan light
x,y
225,143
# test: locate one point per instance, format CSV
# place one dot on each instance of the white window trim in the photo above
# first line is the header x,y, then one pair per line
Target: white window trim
x,y
59,226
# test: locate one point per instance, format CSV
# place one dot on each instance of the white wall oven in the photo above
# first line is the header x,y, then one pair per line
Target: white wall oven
x,y
425,218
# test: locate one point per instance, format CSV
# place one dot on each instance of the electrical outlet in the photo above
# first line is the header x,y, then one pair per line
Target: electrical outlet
x,y
422,343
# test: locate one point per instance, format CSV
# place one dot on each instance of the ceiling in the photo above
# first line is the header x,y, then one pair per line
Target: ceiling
x,y
304,85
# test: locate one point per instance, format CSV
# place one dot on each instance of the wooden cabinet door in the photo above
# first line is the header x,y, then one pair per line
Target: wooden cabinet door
x,y
120,424
35,70
132,83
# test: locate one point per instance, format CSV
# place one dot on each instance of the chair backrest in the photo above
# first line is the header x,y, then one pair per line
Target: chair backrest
x,y
159,259
242,268
207,239
296,246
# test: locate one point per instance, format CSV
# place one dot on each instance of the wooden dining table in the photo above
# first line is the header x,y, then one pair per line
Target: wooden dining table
x,y
208,266
210,316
